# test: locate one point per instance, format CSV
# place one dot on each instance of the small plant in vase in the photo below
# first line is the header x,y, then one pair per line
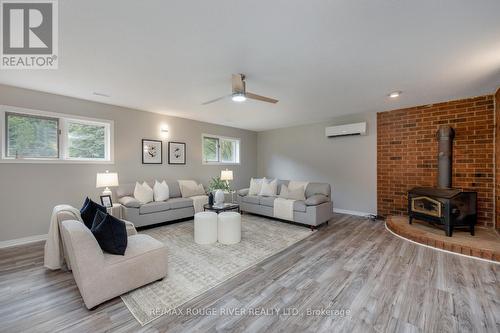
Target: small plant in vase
x,y
218,186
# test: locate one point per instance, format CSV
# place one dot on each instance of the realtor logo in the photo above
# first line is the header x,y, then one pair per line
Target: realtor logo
x,y
29,34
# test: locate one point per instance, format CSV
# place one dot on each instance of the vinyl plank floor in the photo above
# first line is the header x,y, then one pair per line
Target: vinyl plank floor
x,y
349,276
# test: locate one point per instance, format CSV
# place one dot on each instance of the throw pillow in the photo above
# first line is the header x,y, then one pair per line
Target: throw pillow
x,y
189,188
269,188
143,192
255,186
89,210
294,194
160,191
110,233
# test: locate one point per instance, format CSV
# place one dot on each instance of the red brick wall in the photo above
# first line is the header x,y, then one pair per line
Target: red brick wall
x,y
407,152
497,159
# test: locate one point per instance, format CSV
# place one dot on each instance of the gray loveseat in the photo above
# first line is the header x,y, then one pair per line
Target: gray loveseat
x,y
174,208
315,210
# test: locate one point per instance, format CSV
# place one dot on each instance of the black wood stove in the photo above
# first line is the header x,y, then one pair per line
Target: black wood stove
x,y
445,206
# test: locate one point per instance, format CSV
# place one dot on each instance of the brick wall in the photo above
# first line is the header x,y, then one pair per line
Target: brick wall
x,y
407,152
497,159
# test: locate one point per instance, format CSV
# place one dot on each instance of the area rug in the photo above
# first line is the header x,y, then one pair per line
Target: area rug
x,y
193,269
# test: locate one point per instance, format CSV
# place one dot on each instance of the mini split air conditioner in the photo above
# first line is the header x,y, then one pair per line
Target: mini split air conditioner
x,y
345,130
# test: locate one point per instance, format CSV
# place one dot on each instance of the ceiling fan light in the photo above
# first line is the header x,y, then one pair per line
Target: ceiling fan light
x,y
239,97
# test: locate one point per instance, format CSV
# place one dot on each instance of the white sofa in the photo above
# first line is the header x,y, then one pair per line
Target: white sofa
x,y
102,276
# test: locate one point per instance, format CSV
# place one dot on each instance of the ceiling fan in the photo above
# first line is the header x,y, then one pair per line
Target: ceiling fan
x,y
240,94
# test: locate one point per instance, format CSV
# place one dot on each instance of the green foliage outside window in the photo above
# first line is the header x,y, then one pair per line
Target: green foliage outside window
x,y
32,137
86,141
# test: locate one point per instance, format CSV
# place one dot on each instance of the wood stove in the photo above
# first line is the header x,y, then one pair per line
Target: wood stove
x,y
443,205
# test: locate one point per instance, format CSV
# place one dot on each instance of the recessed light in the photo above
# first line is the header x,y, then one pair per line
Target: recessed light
x,y
101,94
395,94
239,97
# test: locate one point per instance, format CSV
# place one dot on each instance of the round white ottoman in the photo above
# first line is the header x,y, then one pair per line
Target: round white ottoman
x,y
205,227
229,228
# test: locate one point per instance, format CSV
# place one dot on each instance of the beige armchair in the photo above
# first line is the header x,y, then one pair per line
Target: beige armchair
x,y
102,276
65,215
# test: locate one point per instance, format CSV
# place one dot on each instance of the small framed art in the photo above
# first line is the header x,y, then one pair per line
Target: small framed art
x,y
176,153
152,151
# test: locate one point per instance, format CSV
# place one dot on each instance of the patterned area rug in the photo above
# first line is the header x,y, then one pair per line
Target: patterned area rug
x,y
193,269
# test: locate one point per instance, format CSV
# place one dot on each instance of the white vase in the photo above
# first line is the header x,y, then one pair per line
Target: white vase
x,y
219,197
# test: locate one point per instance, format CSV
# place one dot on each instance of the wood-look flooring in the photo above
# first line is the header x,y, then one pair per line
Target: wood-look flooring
x,y
386,283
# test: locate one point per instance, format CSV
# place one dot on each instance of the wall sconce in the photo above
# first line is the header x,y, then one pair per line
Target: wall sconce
x,y
164,131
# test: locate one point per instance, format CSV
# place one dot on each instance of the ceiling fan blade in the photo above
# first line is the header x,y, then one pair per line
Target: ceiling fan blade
x,y
261,98
215,100
238,82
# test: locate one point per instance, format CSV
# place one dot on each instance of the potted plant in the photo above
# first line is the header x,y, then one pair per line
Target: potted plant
x,y
218,186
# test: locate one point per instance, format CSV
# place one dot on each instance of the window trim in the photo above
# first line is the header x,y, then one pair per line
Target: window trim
x,y
219,161
63,119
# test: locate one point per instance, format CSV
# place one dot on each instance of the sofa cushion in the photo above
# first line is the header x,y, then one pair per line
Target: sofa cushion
x,y
267,201
110,233
176,203
299,206
154,207
318,188
316,199
129,202
251,199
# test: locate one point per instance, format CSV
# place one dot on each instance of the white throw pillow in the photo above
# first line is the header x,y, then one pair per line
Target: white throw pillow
x,y
295,194
143,192
270,188
189,188
255,186
160,191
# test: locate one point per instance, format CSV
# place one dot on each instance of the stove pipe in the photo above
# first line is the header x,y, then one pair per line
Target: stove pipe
x,y
445,136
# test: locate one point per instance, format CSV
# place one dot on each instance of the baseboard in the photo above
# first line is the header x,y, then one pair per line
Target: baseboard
x,y
22,241
350,212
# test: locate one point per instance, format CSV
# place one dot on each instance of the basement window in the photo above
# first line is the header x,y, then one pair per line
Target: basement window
x,y
220,150
34,136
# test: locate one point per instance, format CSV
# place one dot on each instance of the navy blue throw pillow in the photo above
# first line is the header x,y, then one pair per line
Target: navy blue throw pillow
x,y
110,233
88,211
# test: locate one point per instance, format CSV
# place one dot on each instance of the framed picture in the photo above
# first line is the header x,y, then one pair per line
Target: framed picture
x,y
106,201
176,153
152,151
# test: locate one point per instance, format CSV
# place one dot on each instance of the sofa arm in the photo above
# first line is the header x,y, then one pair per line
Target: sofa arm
x,y
316,199
243,192
129,202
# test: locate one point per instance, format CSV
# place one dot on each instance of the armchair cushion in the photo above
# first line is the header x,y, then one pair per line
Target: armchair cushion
x,y
89,210
130,202
316,199
110,233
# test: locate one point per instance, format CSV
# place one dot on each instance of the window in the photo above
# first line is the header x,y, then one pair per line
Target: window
x,y
86,141
220,150
31,135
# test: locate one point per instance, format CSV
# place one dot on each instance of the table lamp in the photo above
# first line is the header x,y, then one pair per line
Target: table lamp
x,y
106,180
227,175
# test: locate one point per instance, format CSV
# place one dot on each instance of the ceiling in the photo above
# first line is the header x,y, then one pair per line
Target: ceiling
x,y
319,58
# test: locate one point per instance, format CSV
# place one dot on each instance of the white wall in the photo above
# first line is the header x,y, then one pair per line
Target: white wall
x,y
349,164
28,192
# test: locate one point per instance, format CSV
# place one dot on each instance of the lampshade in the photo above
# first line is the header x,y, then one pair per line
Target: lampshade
x,y
226,175
106,179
